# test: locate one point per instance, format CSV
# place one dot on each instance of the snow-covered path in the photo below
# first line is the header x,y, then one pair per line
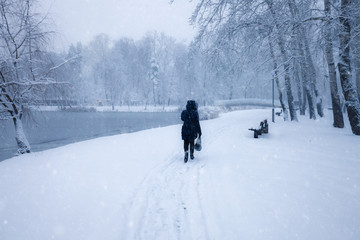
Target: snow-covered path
x,y
301,181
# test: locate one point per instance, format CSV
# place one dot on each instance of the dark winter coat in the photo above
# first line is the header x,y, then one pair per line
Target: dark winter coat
x,y
191,127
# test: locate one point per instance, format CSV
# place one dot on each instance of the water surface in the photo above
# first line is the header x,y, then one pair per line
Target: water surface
x,y
47,130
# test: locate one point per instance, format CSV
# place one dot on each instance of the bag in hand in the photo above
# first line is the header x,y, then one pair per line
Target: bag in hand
x,y
197,145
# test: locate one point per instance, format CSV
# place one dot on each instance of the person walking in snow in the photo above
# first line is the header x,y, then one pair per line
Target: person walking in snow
x,y
191,128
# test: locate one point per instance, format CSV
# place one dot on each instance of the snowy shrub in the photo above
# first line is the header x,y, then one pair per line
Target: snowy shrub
x,y
206,113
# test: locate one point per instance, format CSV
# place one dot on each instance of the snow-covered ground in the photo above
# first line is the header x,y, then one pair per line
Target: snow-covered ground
x,y
301,181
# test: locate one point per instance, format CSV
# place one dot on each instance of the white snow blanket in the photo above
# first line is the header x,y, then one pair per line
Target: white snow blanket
x,y
300,181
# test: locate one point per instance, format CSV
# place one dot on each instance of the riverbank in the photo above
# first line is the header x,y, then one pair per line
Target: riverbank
x,y
50,129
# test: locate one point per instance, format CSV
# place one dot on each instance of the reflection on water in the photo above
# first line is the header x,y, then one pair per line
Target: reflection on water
x,y
53,129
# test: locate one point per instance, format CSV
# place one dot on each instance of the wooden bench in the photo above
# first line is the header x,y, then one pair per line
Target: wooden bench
x,y
263,129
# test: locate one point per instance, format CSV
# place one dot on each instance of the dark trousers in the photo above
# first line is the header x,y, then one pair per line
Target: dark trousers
x,y
186,145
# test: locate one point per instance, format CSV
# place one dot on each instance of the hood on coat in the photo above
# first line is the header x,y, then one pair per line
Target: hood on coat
x,y
191,105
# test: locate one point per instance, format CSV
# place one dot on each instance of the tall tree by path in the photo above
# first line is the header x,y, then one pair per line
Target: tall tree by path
x,y
355,46
276,78
285,60
344,66
335,98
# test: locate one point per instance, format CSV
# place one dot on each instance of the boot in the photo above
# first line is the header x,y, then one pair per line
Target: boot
x,y
192,155
186,156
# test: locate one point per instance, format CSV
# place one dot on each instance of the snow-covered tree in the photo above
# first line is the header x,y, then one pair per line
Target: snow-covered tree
x,y
24,71
335,98
355,41
344,66
225,19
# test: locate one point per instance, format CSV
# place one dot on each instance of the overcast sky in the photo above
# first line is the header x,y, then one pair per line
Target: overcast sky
x,y
81,20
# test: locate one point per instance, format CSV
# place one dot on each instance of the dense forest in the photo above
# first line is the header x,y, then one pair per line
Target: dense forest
x,y
157,70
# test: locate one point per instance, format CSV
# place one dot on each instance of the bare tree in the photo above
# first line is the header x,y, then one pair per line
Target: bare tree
x,y
304,59
276,78
23,70
355,46
285,59
221,19
335,98
344,65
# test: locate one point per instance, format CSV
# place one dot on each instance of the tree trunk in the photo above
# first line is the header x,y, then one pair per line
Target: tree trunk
x,y
305,62
276,77
21,140
335,99
299,90
344,66
313,81
357,74
306,81
284,56
281,98
356,43
357,70
304,99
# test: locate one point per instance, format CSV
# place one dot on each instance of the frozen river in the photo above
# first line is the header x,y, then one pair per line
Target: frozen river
x,y
53,129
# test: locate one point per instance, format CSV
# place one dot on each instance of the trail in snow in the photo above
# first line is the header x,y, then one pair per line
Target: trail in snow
x,y
167,203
